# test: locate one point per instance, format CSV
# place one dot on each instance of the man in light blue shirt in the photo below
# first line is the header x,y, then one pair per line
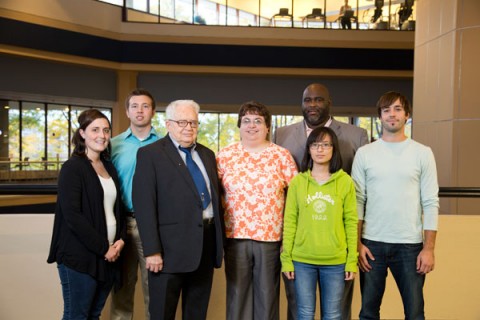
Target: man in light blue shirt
x,y
397,204
140,109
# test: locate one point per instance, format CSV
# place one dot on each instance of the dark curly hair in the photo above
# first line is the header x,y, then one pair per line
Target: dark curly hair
x,y
253,107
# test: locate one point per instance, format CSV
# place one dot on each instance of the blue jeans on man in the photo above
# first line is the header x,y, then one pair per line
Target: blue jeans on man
x,y
401,259
83,295
331,279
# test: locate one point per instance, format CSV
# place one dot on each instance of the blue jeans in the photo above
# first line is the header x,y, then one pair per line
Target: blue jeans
x,y
332,285
401,258
83,296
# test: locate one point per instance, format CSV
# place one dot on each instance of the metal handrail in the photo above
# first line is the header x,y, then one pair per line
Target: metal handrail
x,y
28,189
459,192
51,189
13,165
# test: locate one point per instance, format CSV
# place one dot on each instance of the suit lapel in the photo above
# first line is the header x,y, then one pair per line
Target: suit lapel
x,y
200,152
335,126
206,162
208,167
300,134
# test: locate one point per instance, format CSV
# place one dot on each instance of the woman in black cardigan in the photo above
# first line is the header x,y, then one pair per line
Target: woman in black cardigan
x,y
88,228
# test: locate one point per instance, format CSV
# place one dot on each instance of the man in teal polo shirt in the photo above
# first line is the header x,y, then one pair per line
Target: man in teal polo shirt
x,y
140,109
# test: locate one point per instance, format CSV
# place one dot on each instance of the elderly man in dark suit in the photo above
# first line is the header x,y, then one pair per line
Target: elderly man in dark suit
x,y
176,189
316,113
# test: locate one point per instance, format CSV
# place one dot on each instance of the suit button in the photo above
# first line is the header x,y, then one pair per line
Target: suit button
x,y
200,225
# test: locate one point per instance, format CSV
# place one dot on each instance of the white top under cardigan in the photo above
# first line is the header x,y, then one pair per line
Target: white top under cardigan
x,y
109,196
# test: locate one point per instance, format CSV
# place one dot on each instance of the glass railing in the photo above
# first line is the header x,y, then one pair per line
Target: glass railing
x,y
26,170
330,14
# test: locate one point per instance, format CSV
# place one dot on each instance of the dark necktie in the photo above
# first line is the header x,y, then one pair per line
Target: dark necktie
x,y
197,176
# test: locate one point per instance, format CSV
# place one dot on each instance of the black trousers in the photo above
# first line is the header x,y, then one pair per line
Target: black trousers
x,y
195,287
346,23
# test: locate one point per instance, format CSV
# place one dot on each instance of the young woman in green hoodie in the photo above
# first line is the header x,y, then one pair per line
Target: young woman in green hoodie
x,y
320,228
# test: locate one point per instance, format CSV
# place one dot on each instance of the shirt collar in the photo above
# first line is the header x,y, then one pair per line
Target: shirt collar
x,y
176,144
129,133
308,130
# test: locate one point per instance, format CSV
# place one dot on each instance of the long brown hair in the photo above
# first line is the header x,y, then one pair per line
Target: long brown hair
x,y
84,120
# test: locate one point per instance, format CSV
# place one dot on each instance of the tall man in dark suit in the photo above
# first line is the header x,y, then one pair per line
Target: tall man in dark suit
x,y
175,188
316,113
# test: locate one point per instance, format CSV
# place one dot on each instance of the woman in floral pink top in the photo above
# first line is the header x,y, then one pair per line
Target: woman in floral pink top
x,y
255,174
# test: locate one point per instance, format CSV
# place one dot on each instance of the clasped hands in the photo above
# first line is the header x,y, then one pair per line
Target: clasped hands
x,y
114,251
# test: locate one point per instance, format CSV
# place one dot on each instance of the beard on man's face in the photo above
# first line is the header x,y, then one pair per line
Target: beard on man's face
x,y
316,115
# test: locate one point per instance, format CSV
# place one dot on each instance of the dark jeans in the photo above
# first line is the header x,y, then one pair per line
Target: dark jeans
x,y
401,259
83,296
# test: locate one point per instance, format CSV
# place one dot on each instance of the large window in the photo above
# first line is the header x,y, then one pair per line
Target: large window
x,y
218,130
32,134
58,118
184,11
361,14
11,130
36,138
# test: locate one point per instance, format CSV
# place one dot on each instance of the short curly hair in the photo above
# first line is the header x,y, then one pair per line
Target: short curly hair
x,y
253,107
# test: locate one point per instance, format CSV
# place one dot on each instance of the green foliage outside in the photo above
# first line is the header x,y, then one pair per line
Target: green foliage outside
x,y
216,130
